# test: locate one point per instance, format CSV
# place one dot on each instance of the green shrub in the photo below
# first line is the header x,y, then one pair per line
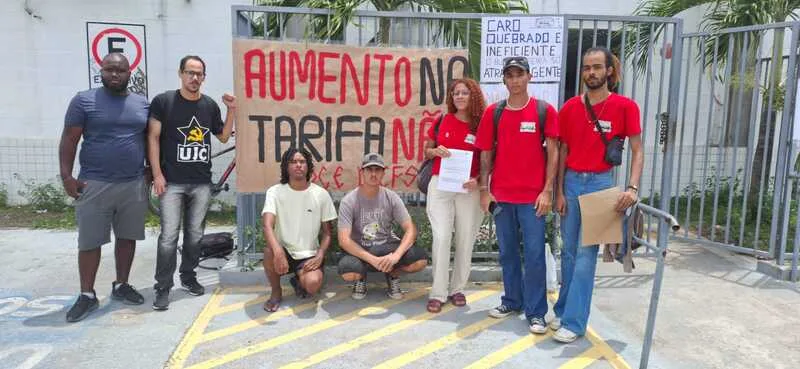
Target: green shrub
x,y
44,196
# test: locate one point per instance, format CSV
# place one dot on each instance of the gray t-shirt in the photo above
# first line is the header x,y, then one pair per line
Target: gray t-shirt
x,y
113,134
371,220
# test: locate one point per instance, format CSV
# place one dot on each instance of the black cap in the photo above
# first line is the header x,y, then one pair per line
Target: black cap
x,y
516,61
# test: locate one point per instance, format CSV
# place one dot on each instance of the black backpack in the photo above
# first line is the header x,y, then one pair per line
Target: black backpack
x,y
216,245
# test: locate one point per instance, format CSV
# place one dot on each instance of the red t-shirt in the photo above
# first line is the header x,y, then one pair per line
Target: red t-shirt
x,y
519,166
586,149
455,134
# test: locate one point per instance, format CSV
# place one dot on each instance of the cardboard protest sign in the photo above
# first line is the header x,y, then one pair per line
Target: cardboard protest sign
x,y
339,102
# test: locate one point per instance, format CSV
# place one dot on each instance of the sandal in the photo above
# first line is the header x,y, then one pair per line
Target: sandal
x,y
434,306
458,299
272,305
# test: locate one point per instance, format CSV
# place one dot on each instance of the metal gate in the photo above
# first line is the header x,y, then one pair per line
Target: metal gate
x,y
734,176
648,48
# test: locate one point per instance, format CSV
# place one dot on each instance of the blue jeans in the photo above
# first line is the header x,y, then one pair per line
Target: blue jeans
x,y
515,223
578,263
191,201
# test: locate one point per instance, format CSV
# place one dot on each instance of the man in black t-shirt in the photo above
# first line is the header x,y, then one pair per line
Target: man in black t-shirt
x,y
179,150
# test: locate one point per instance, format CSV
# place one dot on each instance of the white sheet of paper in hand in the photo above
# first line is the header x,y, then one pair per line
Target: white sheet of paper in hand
x,y
454,171
600,222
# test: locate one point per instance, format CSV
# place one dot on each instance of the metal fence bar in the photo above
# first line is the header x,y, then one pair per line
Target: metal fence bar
x,y
737,115
666,222
646,115
578,58
682,126
696,121
752,133
781,196
721,158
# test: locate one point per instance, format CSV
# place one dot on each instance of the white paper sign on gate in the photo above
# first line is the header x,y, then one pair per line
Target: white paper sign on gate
x,y
128,39
540,39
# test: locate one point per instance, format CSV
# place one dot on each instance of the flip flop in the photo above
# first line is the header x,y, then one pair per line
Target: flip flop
x,y
272,305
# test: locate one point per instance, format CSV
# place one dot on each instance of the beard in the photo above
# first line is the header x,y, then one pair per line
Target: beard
x,y
596,83
117,89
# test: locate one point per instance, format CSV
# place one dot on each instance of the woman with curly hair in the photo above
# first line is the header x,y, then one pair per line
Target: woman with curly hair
x,y
454,211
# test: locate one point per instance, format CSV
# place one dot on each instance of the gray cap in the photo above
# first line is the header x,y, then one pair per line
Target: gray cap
x,y
372,159
516,61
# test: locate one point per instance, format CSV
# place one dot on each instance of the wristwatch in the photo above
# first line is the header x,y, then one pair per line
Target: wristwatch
x,y
634,188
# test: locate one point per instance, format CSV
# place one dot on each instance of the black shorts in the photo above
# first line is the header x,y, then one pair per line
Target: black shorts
x,y
296,265
351,264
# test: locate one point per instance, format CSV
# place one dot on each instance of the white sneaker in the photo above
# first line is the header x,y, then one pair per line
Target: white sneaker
x,y
359,289
555,324
537,326
564,335
393,288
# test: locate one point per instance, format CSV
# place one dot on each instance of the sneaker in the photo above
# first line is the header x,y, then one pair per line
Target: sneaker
x,y
126,293
193,287
555,324
501,311
359,289
564,335
161,301
82,307
537,326
393,288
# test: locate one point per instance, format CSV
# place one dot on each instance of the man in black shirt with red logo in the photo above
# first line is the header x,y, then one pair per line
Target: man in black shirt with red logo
x,y
179,150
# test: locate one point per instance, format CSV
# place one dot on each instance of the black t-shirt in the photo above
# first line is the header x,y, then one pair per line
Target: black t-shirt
x,y
186,129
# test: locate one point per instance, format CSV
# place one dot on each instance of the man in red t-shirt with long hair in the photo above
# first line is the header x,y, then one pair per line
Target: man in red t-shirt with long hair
x,y
522,179
582,170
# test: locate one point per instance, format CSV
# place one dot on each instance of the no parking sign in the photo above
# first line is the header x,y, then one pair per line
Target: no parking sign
x,y
128,39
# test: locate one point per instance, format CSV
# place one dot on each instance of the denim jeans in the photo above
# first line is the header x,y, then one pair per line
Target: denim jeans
x,y
578,263
191,201
518,223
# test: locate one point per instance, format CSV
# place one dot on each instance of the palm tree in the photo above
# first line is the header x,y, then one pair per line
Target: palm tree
x,y
455,32
720,15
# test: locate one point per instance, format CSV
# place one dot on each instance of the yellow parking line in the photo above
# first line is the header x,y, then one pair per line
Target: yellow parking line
x,y
258,300
616,360
219,333
303,332
195,331
380,333
439,344
499,356
286,292
583,360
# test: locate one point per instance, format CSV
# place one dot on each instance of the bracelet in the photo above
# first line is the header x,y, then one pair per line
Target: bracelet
x,y
634,188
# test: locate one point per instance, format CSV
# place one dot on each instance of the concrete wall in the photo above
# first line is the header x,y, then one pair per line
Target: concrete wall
x,y
45,64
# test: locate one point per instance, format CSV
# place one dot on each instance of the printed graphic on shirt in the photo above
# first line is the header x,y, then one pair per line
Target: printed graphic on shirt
x,y
527,127
470,139
194,148
605,125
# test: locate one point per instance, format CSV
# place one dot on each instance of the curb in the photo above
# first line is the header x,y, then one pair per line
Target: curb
x,y
479,273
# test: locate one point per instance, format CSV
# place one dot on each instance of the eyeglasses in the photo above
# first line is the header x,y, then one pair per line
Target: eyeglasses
x,y
193,74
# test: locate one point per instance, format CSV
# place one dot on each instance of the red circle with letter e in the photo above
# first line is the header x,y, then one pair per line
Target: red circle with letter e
x,y
123,32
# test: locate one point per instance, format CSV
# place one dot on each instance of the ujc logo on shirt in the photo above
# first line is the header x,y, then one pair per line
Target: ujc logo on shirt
x,y
194,148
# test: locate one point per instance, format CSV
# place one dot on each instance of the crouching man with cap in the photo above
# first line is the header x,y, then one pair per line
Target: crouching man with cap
x,y
366,217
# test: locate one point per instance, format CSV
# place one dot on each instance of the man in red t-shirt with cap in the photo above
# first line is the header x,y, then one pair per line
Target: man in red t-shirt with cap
x,y
522,179
583,169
